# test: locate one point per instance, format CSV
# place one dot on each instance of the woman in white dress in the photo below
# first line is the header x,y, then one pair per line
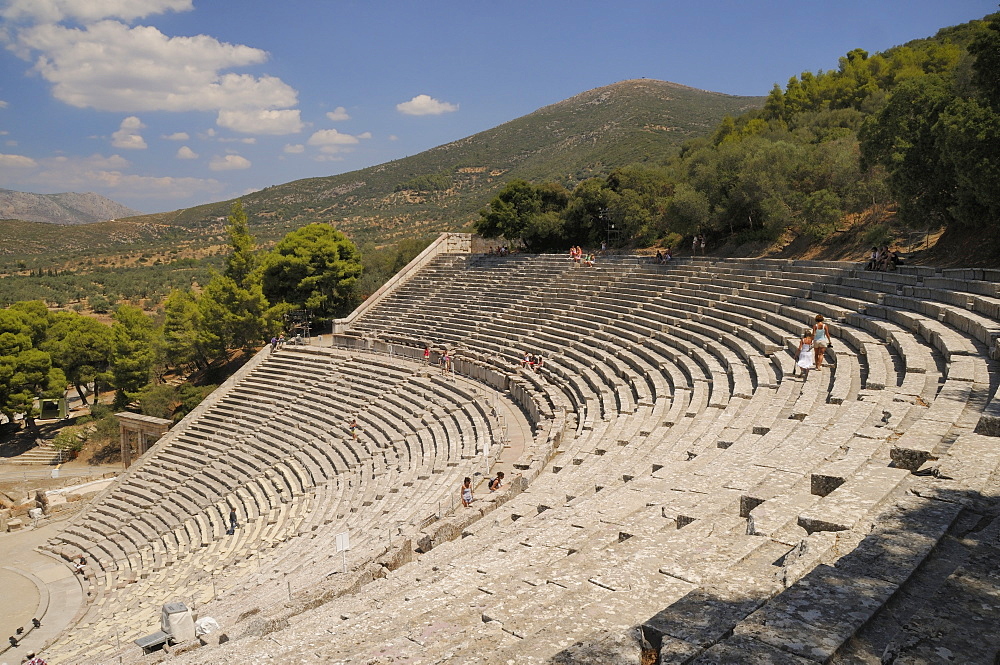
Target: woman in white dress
x,y
806,361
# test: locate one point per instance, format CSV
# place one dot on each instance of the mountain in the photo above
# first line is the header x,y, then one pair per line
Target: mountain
x,y
444,187
439,189
65,208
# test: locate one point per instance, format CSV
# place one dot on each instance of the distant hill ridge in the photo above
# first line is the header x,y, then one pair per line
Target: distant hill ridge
x,y
64,208
440,189
568,141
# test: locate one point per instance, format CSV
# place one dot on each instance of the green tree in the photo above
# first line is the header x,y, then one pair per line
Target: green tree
x,y
986,49
315,267
586,214
26,372
181,323
234,317
902,138
242,263
132,352
688,210
80,346
523,211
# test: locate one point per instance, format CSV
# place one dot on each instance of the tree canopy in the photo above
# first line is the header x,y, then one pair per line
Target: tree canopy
x,y
315,267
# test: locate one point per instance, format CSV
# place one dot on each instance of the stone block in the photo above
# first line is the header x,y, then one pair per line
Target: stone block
x,y
845,506
816,616
740,650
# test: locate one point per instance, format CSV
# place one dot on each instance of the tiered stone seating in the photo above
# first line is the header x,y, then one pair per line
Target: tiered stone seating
x,y
277,447
779,470
696,488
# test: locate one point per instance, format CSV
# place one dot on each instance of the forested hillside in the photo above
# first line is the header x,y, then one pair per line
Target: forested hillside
x,y
915,127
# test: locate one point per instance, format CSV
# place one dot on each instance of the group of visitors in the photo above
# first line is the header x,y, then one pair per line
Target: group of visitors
x,y
466,493
278,342
532,361
578,257
698,242
883,259
446,361
664,256
504,250
813,347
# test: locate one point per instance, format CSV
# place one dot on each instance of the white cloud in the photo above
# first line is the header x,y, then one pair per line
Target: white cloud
x,y
328,158
4,105
185,152
17,162
294,148
393,137
51,11
249,140
105,174
229,163
112,67
261,121
176,136
128,136
338,114
331,141
425,105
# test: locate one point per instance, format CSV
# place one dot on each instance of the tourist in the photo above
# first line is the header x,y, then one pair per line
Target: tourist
x,y
81,565
701,239
805,360
893,260
281,341
604,247
670,254
427,353
354,427
591,260
821,340
32,659
497,482
538,362
872,259
526,360
232,521
659,257
274,343
467,497
694,244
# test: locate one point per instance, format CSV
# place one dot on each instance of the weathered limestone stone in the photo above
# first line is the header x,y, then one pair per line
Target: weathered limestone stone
x,y
903,537
746,651
843,507
705,615
606,648
816,616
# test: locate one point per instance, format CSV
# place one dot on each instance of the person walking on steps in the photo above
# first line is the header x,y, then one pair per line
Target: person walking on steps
x,y
233,523
821,340
805,360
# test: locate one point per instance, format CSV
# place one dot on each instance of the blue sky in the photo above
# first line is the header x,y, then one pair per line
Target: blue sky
x,y
164,104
